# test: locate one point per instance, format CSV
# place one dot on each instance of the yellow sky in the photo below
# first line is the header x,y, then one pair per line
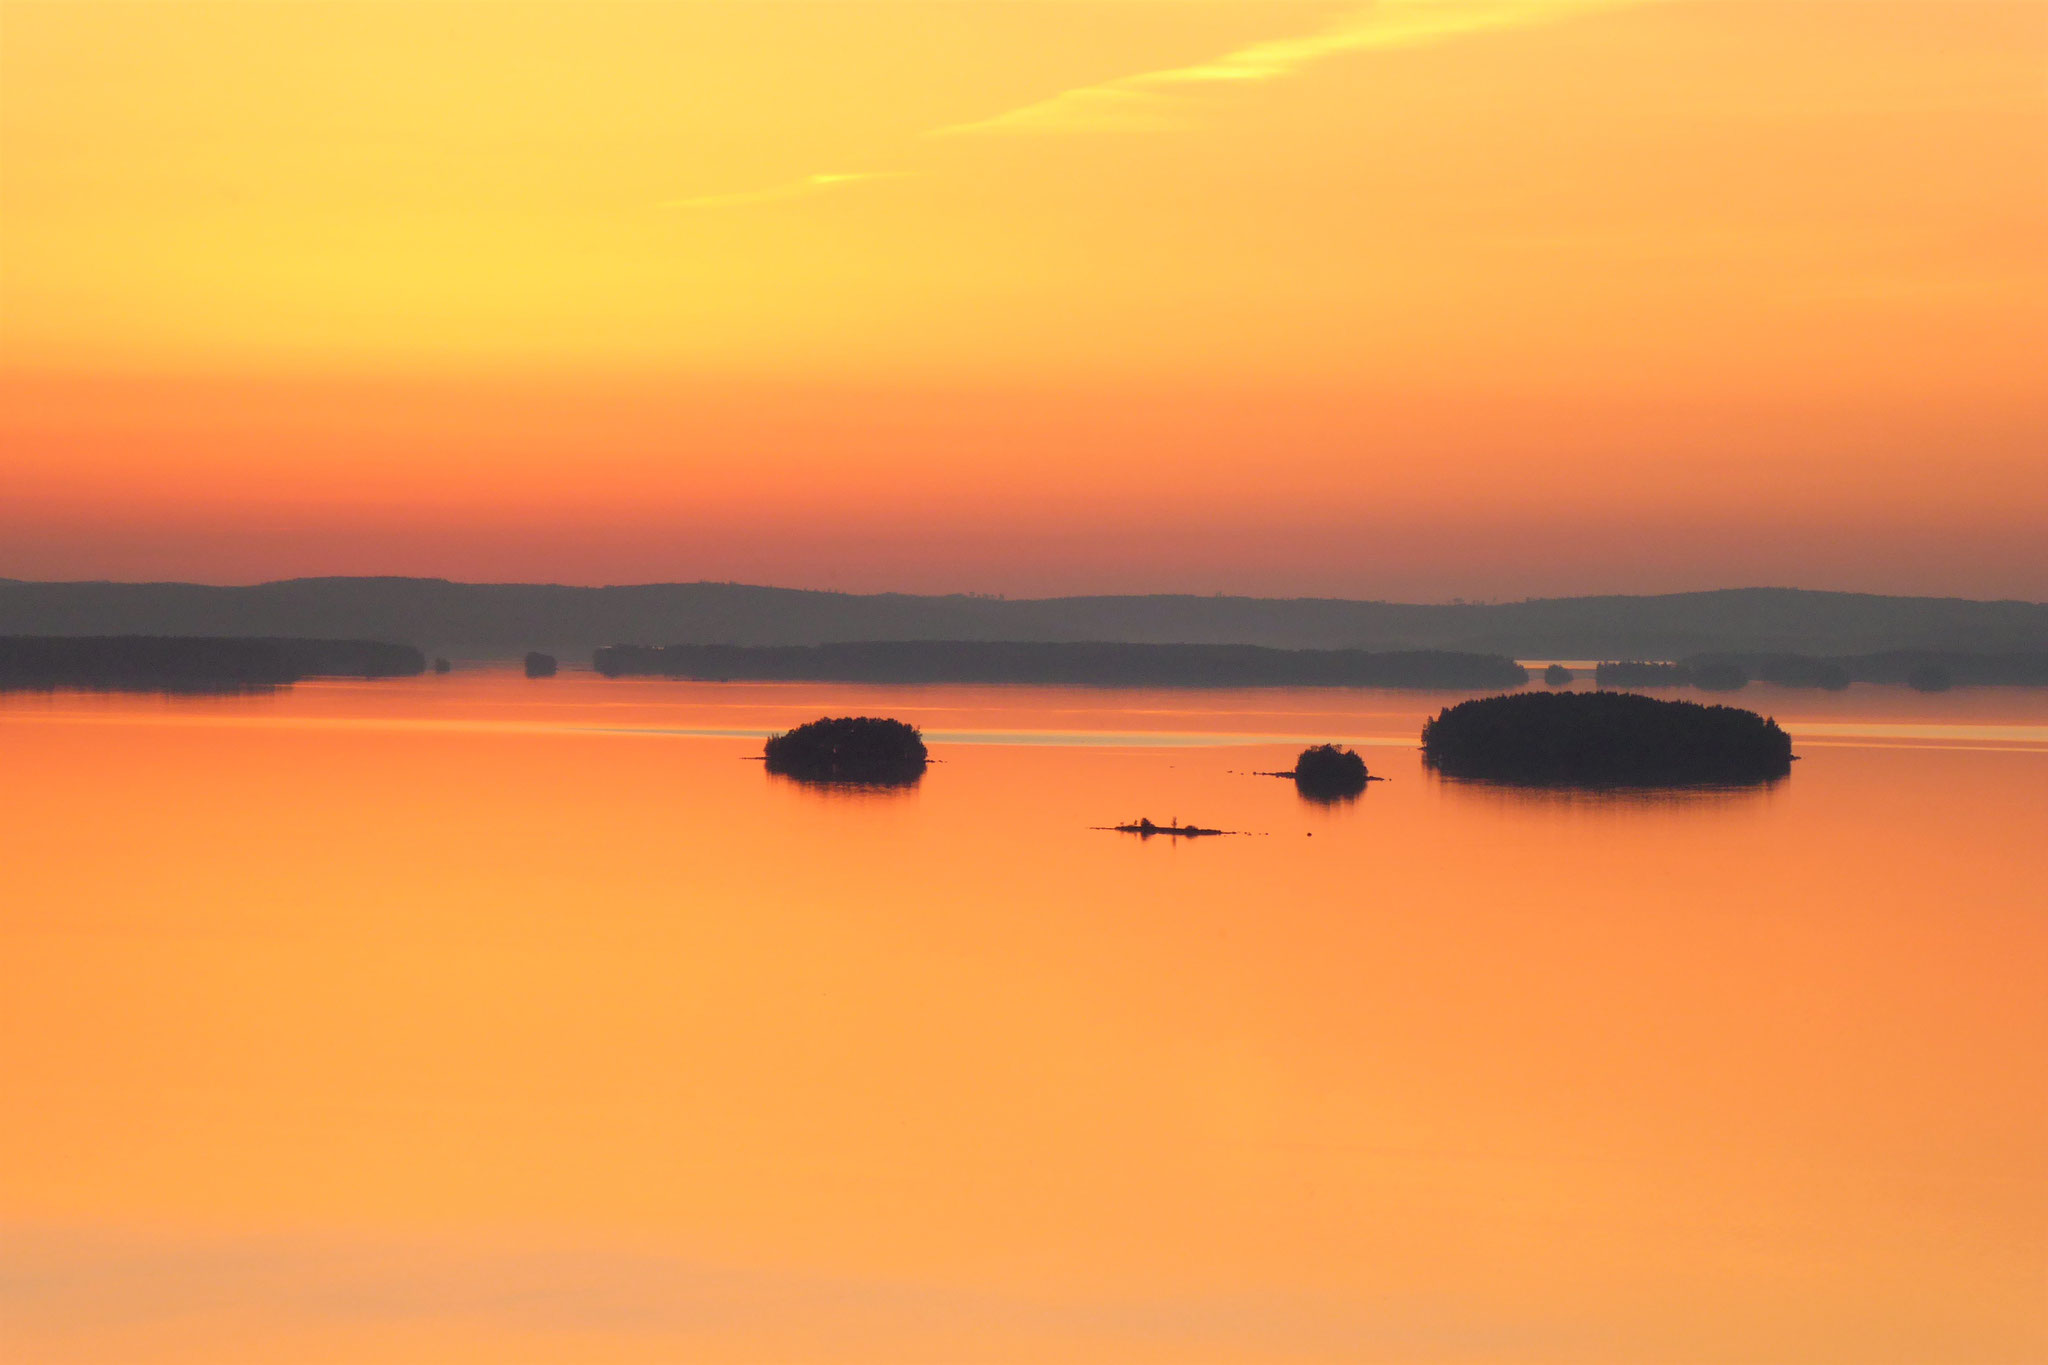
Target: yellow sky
x,y
1362,255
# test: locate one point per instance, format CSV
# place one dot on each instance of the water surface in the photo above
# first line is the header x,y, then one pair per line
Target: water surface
x,y
480,1019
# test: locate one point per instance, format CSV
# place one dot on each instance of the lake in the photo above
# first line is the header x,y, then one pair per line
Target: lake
x,y
479,1019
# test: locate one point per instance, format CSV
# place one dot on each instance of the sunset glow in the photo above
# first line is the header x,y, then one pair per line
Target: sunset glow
x,y
1011,682
1407,299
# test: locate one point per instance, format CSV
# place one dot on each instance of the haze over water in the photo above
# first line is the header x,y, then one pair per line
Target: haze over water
x,y
478,1019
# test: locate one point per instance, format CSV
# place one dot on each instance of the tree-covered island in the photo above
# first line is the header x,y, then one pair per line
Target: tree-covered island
x,y
1329,772
868,750
1604,739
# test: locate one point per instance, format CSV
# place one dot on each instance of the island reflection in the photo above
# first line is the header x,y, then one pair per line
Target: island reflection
x,y
1561,796
843,790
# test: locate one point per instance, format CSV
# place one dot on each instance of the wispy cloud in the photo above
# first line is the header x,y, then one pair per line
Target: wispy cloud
x,y
1153,101
1159,100
776,194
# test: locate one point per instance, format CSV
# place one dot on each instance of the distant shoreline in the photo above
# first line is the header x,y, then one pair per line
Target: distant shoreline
x,y
1925,670
1068,664
482,621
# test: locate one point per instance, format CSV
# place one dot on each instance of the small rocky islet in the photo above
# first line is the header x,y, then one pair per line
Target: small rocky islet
x,y
1145,829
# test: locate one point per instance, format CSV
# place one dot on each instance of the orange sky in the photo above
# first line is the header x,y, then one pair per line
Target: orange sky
x,y
1407,299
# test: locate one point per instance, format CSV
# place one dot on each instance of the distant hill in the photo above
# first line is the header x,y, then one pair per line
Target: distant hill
x,y
505,620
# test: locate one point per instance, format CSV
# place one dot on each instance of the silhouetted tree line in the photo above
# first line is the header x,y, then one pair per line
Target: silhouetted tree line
x,y
863,749
1799,670
1085,664
1709,675
1641,673
181,662
1715,675
1930,670
1604,739
1926,670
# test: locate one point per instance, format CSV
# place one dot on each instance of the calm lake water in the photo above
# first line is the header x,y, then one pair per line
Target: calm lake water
x,y
477,1019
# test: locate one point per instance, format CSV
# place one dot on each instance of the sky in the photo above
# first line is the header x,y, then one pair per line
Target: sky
x,y
1410,299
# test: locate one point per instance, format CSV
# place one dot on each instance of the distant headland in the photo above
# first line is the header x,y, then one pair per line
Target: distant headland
x,y
194,663
1604,739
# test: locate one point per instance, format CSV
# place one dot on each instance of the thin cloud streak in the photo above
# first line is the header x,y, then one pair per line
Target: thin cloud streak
x,y
777,194
1160,101
1156,101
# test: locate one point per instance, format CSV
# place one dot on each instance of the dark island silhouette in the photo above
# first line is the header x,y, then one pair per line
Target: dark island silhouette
x,y
866,750
1088,664
539,665
1329,772
193,663
1604,739
1557,675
